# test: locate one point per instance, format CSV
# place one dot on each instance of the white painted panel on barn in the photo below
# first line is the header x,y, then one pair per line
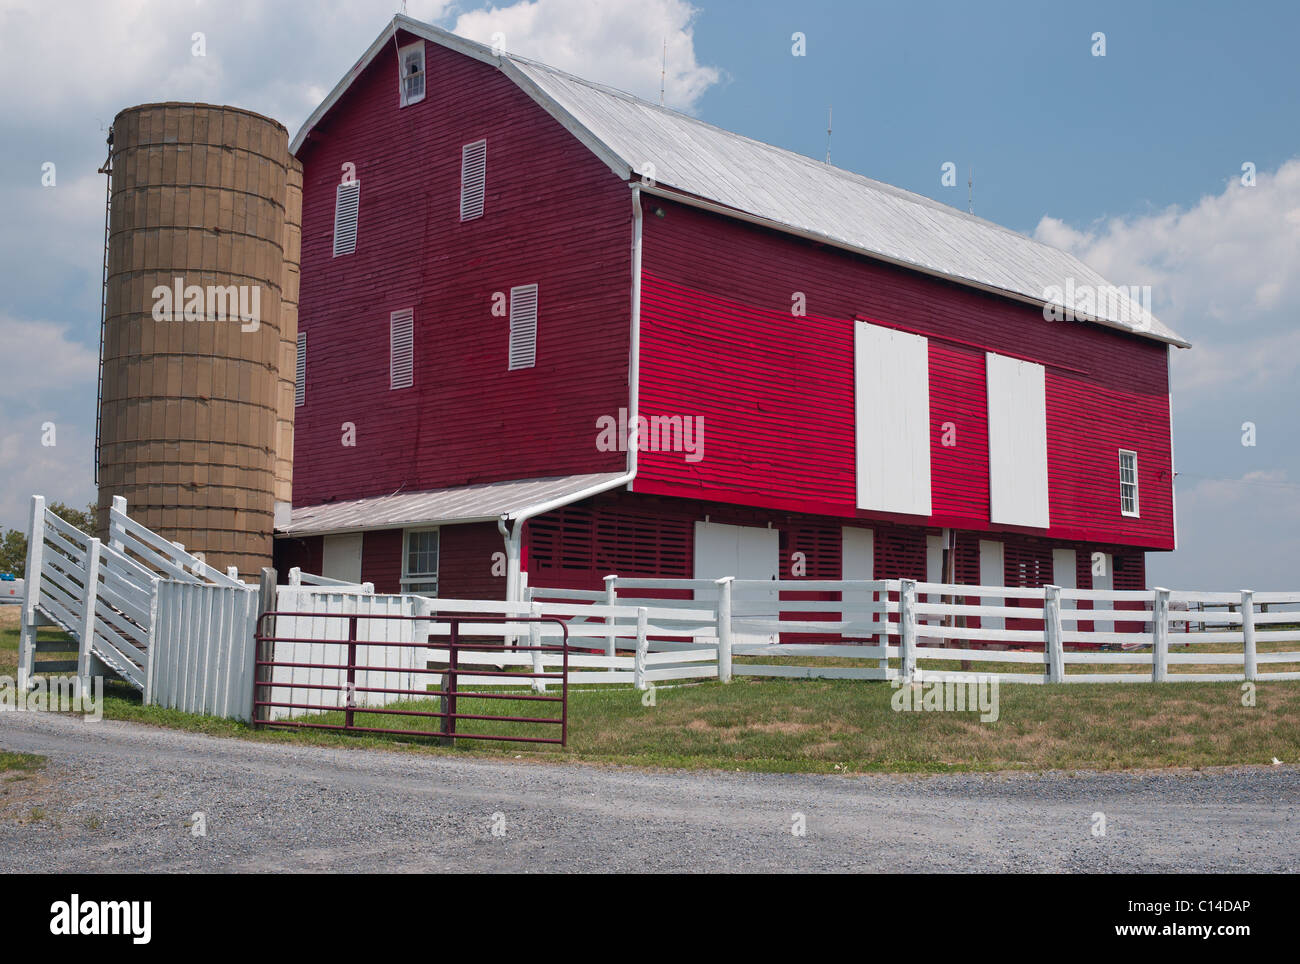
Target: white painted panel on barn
x,y
1105,581
341,558
1063,575
1017,404
746,552
858,553
892,417
992,573
933,572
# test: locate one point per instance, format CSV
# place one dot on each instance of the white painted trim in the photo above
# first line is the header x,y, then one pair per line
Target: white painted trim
x,y
830,241
419,577
429,32
1137,500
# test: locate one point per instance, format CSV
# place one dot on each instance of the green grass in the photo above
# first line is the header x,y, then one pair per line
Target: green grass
x,y
841,726
20,762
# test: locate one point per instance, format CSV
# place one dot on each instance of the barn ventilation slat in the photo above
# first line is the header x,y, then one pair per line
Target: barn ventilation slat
x,y
523,326
473,179
347,204
401,359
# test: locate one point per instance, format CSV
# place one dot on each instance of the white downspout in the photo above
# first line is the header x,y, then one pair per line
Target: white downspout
x,y
514,536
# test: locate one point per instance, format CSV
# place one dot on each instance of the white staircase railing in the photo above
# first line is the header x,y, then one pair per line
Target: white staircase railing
x,y
104,595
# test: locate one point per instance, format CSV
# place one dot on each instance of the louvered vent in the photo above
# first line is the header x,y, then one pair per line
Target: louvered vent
x,y
300,377
401,348
523,326
347,201
473,179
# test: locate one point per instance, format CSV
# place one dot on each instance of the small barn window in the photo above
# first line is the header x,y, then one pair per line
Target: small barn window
x,y
473,179
411,61
523,326
1128,483
401,335
347,203
300,374
420,562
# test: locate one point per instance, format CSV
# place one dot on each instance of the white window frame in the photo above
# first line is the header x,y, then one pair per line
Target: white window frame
x,y
1134,514
403,98
411,580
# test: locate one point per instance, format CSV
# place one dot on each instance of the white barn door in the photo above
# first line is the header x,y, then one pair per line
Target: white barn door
x,y
341,557
746,552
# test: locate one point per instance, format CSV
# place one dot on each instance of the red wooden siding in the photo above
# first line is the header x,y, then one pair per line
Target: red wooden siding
x,y
466,561
554,215
381,559
776,390
959,473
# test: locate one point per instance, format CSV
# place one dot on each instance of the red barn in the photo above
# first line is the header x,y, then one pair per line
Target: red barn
x,y
506,270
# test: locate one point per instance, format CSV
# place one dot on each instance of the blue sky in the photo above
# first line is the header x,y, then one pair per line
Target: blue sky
x,y
1132,160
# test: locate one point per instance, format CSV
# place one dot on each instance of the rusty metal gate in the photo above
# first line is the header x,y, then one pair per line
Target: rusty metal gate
x,y
307,664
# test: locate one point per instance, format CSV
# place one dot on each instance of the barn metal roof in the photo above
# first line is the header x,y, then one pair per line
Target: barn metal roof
x,y
485,502
767,184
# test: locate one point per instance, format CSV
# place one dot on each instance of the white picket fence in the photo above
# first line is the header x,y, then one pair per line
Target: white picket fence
x,y
140,608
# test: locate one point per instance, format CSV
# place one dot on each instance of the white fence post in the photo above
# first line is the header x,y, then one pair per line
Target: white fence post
x,y
31,593
119,507
642,647
1160,636
91,593
1248,660
1052,637
295,576
907,630
724,628
611,599
155,640
535,640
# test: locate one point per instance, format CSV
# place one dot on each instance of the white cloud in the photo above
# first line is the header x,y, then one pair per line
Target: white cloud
x,y
40,361
1225,274
619,44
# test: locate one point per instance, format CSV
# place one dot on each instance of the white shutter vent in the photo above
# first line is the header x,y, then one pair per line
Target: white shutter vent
x,y
473,179
523,326
401,351
347,202
300,376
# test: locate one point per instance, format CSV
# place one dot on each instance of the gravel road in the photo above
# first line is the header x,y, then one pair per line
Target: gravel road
x,y
119,797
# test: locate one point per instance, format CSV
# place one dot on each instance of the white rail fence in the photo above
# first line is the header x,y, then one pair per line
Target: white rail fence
x,y
1029,635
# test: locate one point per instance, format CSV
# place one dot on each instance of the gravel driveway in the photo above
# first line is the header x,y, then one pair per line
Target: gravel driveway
x,y
119,797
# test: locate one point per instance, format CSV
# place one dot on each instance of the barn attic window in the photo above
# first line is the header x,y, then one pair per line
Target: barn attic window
x,y
411,62
1128,483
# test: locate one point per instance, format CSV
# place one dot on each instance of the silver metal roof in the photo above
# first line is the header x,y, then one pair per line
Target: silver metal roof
x,y
466,503
796,193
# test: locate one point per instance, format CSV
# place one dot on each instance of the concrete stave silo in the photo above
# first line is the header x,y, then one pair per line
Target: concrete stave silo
x,y
192,421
